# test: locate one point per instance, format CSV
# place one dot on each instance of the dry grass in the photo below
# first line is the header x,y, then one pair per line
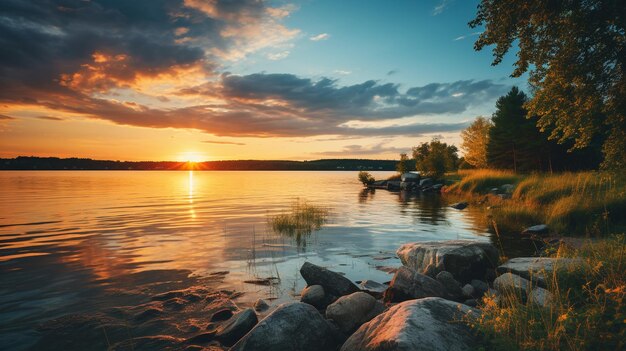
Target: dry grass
x,y
587,310
569,203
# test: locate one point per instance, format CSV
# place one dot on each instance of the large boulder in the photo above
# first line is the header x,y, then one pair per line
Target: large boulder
x,y
541,297
333,283
453,287
425,324
292,326
511,284
408,284
350,311
236,327
315,296
373,288
538,269
465,259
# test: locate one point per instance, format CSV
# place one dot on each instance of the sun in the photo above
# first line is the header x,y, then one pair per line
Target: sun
x,y
192,157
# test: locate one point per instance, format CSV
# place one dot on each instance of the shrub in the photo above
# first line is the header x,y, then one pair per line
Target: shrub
x,y
366,178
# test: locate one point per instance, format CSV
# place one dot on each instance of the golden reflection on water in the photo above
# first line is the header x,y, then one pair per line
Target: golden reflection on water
x,y
192,210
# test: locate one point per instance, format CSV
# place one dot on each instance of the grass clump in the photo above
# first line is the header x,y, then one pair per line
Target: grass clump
x,y
301,220
481,181
586,310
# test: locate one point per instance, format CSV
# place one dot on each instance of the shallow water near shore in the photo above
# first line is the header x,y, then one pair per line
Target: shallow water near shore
x,y
89,242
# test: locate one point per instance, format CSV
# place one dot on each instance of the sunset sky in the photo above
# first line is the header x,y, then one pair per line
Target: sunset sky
x,y
215,79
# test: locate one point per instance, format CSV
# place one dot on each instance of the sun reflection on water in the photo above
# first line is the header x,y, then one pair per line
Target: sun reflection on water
x,y
192,211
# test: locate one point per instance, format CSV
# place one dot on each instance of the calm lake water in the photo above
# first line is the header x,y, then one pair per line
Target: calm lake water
x,y
80,242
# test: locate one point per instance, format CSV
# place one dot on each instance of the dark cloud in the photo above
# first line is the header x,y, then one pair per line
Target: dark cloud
x,y
222,142
50,118
73,56
6,118
360,150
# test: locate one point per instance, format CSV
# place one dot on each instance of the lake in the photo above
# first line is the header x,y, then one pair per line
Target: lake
x,y
83,242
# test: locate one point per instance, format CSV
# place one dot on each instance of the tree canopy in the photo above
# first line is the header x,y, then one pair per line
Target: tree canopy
x,y
575,53
474,142
434,159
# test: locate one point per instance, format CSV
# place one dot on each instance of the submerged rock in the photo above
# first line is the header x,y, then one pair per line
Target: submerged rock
x,y
260,305
425,324
222,315
292,326
333,283
350,311
315,296
408,284
538,269
459,205
236,327
465,259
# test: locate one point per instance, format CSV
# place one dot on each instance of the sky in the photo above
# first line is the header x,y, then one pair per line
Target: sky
x,y
240,79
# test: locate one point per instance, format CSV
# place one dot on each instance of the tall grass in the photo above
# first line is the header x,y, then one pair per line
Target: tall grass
x,y
587,310
301,220
569,203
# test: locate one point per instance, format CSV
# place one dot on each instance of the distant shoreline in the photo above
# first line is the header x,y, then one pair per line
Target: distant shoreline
x,y
23,163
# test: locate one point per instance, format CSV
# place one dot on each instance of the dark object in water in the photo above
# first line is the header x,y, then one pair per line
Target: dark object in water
x,y
459,205
264,281
222,315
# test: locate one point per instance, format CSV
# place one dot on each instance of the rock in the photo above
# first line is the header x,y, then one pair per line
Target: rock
x,y
408,284
202,338
507,188
315,296
541,297
465,259
536,229
426,182
508,284
393,185
292,326
453,287
471,302
222,315
459,205
260,305
333,283
350,311
236,327
468,291
373,288
437,187
480,287
410,177
538,269
424,324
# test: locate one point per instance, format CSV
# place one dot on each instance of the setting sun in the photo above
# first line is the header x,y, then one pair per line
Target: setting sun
x,y
192,157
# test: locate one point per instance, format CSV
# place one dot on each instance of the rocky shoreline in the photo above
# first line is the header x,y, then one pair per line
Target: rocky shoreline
x,y
428,304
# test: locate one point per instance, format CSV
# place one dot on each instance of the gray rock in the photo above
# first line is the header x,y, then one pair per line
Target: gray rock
x,y
260,305
410,177
507,188
465,259
424,324
541,297
480,287
292,326
459,205
468,291
350,311
333,283
453,287
471,302
314,295
536,229
539,269
426,182
373,288
511,284
408,284
236,327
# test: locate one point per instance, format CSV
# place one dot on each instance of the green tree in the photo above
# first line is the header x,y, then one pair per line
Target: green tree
x,y
575,53
475,138
434,159
403,165
514,142
366,178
